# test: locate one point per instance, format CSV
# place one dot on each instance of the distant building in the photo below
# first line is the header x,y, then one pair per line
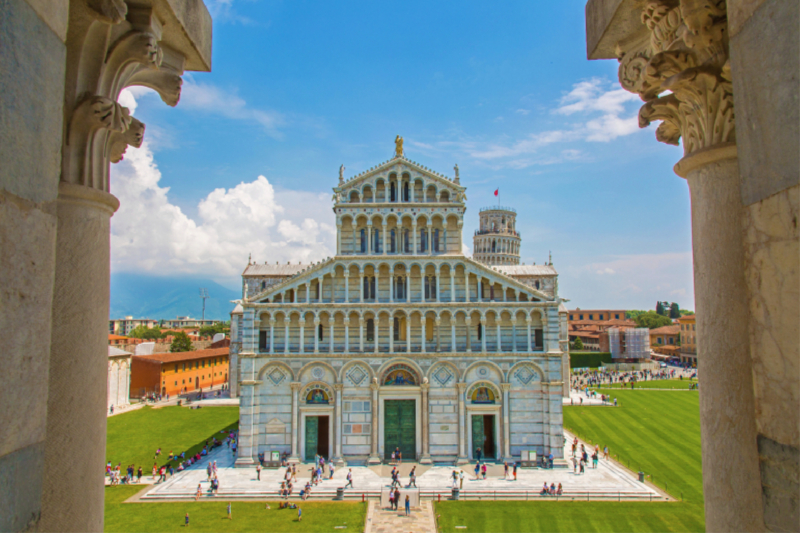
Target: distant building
x,y
666,340
187,322
119,377
596,314
174,373
688,335
497,241
123,326
626,344
590,331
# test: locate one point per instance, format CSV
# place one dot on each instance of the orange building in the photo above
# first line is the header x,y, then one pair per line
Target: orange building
x,y
688,332
175,373
596,314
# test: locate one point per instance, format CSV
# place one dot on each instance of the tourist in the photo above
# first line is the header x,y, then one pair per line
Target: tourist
x,y
552,489
394,457
198,493
299,514
483,470
478,470
208,472
560,490
583,463
112,409
461,476
294,473
545,490
478,454
332,469
139,475
550,459
515,470
412,477
605,453
349,479
399,457
230,517
396,499
391,500
615,401
594,460
454,475
258,472
408,505
186,520
505,470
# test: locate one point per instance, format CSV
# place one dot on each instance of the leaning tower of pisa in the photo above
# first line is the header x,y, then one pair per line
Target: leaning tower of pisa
x,y
497,242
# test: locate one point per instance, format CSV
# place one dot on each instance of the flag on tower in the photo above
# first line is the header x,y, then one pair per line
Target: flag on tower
x,y
496,191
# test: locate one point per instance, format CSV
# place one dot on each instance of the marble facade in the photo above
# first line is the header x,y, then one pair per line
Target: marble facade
x,y
399,315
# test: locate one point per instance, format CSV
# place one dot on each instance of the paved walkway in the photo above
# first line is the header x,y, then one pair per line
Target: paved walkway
x,y
609,480
385,520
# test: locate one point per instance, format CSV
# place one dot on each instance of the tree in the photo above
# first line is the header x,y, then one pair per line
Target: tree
x,y
685,312
633,313
143,332
652,320
219,327
674,310
659,308
578,344
181,343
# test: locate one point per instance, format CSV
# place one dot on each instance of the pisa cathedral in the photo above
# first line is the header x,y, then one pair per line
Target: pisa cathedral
x,y
400,341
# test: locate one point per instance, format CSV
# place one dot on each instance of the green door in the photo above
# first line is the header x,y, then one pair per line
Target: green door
x,y
478,436
312,437
400,428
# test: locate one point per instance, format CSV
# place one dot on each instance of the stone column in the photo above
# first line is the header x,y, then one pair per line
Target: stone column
x,y
483,334
430,241
426,449
331,322
338,237
423,322
415,249
361,286
308,292
466,286
680,66
385,243
347,335
376,296
321,283
302,335
452,285
272,335
346,286
436,280
499,338
506,387
256,334
408,333
286,335
461,389
295,457
374,457
337,428
370,237
529,321
438,323
391,286
377,323
361,335
391,335
514,335
468,323
453,346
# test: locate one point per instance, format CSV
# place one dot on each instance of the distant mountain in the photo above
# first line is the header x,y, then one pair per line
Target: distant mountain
x,y
143,296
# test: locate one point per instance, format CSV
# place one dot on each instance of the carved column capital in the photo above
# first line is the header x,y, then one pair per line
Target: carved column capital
x,y
295,386
461,387
687,55
338,387
505,387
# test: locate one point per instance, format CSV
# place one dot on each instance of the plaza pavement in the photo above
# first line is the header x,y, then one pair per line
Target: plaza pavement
x,y
610,481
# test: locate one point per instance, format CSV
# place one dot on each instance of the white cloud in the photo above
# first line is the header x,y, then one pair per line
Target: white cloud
x,y
605,271
151,234
592,95
212,99
523,112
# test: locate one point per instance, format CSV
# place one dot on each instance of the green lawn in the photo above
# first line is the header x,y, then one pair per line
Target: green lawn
x,y
212,516
657,432
656,384
132,438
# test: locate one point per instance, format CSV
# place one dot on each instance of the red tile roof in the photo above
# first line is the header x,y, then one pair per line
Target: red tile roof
x,y
185,356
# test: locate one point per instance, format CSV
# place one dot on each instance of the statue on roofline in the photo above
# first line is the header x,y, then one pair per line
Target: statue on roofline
x,y
398,146
341,174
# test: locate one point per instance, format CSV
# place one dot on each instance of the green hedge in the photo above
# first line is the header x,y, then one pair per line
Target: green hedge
x,y
589,359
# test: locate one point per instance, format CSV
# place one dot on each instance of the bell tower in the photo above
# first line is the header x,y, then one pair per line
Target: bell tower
x,y
497,242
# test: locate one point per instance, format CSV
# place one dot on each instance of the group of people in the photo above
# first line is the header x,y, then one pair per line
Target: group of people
x,y
552,490
580,460
596,378
412,478
394,501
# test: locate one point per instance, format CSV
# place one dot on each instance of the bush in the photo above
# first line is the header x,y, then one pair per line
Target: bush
x,y
589,359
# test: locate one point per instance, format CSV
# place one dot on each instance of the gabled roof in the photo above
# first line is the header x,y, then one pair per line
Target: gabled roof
x,y
255,269
116,352
387,165
666,330
174,357
527,270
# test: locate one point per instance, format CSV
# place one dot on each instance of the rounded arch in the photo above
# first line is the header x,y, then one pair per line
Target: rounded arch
x,y
317,393
360,364
312,364
516,373
436,376
383,370
485,362
480,384
275,364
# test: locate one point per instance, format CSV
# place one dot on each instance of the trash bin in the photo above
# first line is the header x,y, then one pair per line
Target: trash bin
x,y
340,493
454,495
641,477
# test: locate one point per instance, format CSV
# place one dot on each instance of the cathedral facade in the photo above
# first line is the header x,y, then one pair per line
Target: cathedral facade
x,y
399,342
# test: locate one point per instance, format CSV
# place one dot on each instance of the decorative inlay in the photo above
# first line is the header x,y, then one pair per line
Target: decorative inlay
x,y
525,374
443,375
482,371
357,375
276,376
318,373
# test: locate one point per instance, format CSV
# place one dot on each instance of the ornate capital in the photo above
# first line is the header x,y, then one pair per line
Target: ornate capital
x,y
338,387
505,387
295,386
461,387
687,55
271,321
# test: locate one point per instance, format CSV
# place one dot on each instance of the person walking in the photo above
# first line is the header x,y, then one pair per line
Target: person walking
x,y
515,470
408,505
332,469
258,472
186,520
477,470
461,478
412,477
230,517
605,453
349,479
396,499
478,454
505,470
299,514
483,469
391,500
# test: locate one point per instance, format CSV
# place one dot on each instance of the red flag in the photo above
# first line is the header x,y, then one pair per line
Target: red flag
x,y
496,191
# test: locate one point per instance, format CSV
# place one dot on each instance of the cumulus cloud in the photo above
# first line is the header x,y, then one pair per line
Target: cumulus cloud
x,y
151,234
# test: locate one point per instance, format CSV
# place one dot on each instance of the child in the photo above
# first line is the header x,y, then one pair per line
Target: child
x,y
299,514
229,511
186,521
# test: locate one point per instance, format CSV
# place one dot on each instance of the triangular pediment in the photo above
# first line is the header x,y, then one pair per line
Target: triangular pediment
x,y
399,165
289,282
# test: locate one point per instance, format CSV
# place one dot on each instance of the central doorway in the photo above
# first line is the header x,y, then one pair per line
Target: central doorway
x,y
483,436
316,437
400,428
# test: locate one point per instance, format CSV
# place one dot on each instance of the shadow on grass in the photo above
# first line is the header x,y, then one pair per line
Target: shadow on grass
x,y
220,435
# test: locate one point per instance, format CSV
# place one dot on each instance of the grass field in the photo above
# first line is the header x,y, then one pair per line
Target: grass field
x,y
132,438
656,384
657,432
212,516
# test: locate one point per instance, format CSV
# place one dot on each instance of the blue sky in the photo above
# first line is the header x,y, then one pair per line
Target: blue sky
x,y
246,161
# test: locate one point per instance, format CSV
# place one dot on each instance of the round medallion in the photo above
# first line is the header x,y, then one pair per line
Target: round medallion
x,y
318,373
483,371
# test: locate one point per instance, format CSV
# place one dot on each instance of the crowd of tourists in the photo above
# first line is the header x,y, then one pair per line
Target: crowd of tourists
x,y
172,463
581,381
